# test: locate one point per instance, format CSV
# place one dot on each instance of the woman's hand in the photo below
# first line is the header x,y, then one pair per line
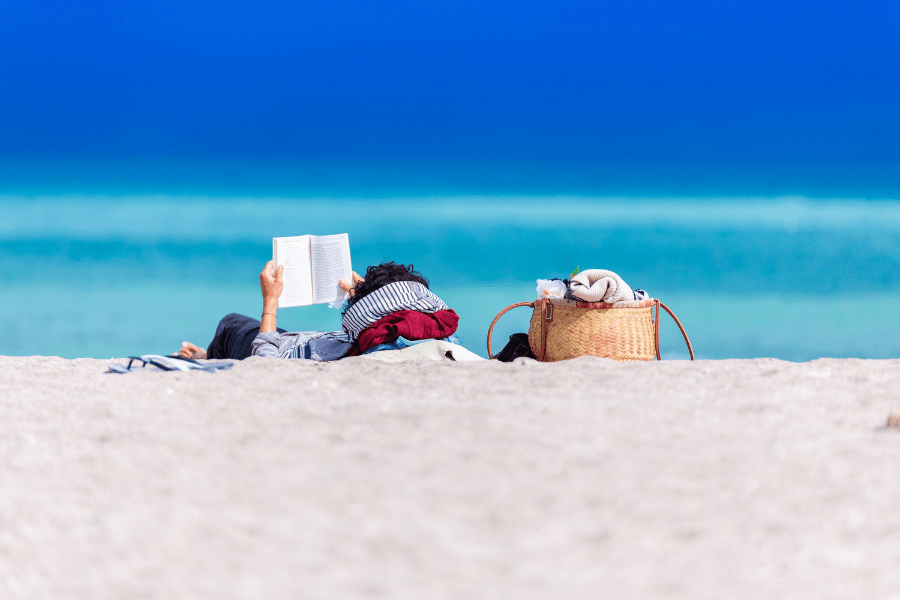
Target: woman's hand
x,y
347,286
271,283
189,350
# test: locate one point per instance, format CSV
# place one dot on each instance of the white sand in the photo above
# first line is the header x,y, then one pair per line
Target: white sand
x,y
365,479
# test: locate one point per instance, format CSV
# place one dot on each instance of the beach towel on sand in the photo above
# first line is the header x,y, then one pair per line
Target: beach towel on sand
x,y
157,362
599,285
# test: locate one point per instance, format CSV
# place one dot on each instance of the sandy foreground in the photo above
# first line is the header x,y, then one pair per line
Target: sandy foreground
x,y
366,479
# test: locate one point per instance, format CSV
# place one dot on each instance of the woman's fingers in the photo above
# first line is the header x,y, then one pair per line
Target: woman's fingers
x,y
268,270
271,274
189,350
347,286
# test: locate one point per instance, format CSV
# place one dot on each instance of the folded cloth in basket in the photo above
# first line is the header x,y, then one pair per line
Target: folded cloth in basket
x,y
599,285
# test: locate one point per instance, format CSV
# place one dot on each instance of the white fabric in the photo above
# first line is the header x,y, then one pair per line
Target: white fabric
x,y
599,285
434,350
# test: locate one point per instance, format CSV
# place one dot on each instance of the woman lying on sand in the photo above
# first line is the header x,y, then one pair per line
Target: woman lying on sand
x,y
392,301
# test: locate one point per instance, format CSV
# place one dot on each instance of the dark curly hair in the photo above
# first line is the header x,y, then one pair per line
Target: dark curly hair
x,y
378,276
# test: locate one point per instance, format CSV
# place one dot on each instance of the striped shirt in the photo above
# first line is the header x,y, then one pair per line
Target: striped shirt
x,y
393,297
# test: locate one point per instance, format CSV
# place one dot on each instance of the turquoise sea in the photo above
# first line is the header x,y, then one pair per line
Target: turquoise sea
x,y
120,268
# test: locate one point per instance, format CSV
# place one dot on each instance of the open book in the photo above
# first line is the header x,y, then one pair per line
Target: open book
x,y
313,268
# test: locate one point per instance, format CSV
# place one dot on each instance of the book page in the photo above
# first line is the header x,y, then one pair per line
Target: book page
x,y
293,253
330,257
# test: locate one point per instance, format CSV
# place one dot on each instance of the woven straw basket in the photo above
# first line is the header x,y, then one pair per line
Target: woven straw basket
x,y
563,329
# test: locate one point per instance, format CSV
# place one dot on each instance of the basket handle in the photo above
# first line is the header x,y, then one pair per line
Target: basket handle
x,y
497,318
677,322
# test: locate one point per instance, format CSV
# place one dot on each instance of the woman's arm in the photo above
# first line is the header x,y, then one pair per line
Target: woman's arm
x,y
271,284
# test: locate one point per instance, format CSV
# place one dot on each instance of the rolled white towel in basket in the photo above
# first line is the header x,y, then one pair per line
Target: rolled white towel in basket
x,y
599,285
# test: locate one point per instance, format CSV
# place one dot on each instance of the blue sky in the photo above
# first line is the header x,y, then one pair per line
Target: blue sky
x,y
510,80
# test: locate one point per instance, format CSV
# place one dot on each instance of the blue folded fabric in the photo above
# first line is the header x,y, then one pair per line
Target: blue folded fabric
x,y
402,343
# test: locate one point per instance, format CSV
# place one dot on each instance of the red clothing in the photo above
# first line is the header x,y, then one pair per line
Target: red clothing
x,y
410,324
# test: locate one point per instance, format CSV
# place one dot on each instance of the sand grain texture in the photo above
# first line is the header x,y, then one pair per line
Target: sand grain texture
x,y
359,479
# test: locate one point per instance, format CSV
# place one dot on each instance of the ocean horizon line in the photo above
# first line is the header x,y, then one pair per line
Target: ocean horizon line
x,y
392,177
238,218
